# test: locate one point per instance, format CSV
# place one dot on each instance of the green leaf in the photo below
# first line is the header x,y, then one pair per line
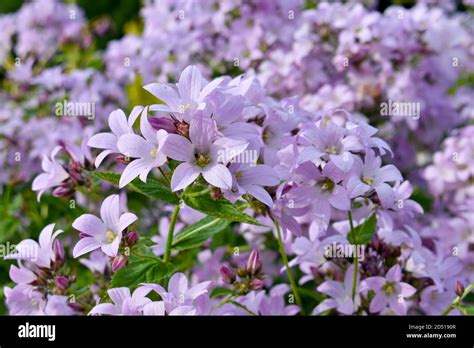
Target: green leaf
x,y
363,233
220,292
467,310
199,198
152,188
196,234
147,269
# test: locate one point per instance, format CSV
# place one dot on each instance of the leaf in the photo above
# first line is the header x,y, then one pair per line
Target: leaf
x,y
141,269
467,310
363,233
199,198
152,188
220,292
196,234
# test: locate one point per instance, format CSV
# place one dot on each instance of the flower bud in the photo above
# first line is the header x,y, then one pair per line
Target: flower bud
x,y
254,262
256,284
62,192
459,288
228,275
216,193
162,123
75,306
119,262
58,252
76,177
62,282
132,238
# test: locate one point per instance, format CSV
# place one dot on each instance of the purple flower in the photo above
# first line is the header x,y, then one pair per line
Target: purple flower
x,y
125,303
274,302
203,155
341,295
190,94
370,175
147,150
251,179
24,300
330,142
41,253
179,293
119,126
104,233
54,174
389,291
97,261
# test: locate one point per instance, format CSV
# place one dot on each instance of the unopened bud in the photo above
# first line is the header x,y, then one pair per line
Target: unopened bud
x,y
228,275
58,252
256,284
459,288
254,262
132,238
75,306
119,262
162,123
62,282
62,192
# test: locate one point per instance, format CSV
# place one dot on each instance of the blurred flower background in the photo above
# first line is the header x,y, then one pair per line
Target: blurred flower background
x,y
403,70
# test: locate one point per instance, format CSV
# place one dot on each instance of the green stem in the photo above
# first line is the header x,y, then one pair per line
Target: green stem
x,y
294,288
164,176
237,304
457,301
169,240
356,260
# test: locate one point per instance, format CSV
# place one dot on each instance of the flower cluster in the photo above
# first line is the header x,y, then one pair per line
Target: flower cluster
x,y
270,158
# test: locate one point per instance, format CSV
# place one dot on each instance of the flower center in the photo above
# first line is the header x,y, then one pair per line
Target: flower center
x,y
327,185
153,152
389,288
202,159
109,236
367,180
332,150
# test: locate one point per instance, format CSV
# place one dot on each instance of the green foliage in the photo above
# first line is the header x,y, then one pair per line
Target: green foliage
x,y
153,188
200,199
217,292
363,233
196,234
143,267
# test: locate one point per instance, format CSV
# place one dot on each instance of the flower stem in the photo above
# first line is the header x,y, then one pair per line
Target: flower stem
x,y
294,288
457,301
356,260
169,240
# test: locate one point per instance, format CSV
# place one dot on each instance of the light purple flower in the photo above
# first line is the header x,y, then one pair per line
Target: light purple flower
x,y
54,174
41,253
341,295
119,125
251,179
104,233
274,302
191,91
24,300
146,150
125,303
389,291
370,175
203,155
179,293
